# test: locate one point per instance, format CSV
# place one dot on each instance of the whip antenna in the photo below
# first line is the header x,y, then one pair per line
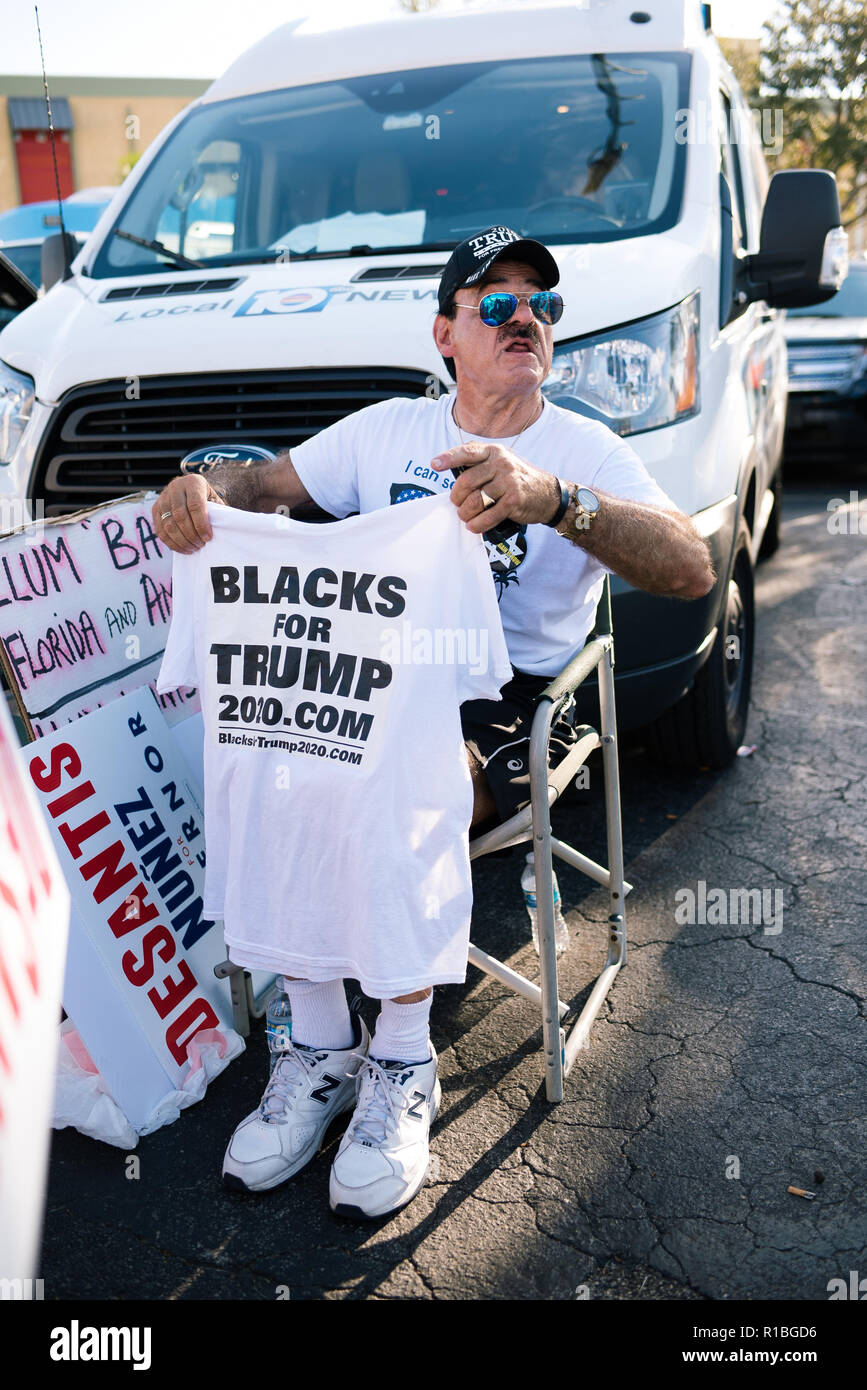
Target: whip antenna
x,y
67,273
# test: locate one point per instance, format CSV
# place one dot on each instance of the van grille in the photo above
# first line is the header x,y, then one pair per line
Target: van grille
x,y
815,366
100,445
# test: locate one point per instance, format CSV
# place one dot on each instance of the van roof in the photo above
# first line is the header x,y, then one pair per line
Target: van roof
x,y
303,52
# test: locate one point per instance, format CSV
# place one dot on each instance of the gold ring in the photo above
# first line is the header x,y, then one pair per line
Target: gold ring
x,y
488,501
164,515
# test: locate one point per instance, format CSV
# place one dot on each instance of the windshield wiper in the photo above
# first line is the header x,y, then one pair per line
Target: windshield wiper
x,y
333,255
364,250
161,250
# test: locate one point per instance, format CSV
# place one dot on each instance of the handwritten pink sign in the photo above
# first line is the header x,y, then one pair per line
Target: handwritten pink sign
x,y
85,606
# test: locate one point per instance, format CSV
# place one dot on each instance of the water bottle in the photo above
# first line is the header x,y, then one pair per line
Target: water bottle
x,y
278,1023
528,884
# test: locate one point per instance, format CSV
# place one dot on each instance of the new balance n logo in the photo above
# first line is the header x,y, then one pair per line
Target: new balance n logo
x,y
324,1089
415,1110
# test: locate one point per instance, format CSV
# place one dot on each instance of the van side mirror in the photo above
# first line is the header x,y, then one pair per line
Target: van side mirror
x,y
803,251
53,262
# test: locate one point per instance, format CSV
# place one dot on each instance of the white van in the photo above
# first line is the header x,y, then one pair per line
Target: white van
x,y
271,264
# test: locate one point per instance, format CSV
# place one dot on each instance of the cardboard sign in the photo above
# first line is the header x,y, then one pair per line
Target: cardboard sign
x,y
85,606
34,917
127,820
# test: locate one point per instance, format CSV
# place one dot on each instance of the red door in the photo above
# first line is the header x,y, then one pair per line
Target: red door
x,y
36,167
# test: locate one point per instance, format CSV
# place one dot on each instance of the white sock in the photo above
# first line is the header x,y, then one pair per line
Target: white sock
x,y
320,1013
403,1031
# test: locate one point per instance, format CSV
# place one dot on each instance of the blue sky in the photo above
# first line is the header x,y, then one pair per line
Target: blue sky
x,y
191,38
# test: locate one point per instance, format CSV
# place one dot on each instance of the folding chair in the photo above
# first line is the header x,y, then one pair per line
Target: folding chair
x,y
534,822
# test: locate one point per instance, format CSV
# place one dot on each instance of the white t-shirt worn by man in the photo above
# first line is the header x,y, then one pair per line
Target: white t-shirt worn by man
x,y
548,588
332,661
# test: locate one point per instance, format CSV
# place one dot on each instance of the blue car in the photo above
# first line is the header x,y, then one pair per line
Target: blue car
x,y
23,229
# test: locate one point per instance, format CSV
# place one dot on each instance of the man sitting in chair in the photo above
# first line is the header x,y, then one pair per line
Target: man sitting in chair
x,y
577,500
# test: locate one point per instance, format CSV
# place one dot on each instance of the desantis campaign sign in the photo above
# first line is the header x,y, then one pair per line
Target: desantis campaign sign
x,y
34,918
127,822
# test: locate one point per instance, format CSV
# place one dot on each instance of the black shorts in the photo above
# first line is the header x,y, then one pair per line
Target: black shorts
x,y
498,733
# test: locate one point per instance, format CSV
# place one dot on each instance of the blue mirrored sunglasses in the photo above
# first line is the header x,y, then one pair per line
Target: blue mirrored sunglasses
x,y
496,309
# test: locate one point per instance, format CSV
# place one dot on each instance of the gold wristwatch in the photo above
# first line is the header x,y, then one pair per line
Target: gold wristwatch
x,y
586,505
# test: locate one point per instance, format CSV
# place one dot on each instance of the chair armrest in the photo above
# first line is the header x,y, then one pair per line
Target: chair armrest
x,y
578,670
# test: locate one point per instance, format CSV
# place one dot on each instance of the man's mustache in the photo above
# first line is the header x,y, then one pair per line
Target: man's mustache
x,y
524,331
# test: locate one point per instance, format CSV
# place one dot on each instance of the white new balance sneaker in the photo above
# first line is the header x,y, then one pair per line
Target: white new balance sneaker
x,y
383,1156
307,1089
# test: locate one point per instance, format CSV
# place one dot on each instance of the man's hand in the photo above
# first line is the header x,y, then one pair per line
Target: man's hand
x,y
652,548
264,486
187,528
519,491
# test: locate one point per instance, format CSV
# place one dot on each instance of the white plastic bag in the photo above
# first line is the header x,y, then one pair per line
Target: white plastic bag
x,y
83,1100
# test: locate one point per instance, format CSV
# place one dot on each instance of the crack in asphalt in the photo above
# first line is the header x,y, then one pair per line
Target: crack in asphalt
x,y
857,999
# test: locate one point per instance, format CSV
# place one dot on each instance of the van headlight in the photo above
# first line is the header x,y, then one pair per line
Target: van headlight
x,y
17,393
634,378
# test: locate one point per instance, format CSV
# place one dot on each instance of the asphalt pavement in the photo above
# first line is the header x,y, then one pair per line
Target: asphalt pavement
x,y
728,1064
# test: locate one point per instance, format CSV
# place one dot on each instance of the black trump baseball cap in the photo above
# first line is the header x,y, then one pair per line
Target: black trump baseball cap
x,y
473,258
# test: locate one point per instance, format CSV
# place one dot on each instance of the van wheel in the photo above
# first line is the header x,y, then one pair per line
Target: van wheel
x,y
706,726
771,539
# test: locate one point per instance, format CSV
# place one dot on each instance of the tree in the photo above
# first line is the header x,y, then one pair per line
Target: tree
x,y
814,65
742,57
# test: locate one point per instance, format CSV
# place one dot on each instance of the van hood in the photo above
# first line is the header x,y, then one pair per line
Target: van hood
x,y
346,311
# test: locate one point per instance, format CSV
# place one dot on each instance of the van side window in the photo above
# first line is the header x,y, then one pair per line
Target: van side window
x,y
760,180
730,135
753,171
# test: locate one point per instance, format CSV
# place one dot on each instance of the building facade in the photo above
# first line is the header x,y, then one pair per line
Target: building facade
x,y
101,126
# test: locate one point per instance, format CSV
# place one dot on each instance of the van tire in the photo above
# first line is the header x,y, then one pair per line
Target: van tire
x,y
707,725
771,539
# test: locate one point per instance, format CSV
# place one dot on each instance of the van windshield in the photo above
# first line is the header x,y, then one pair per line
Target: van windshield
x,y
566,149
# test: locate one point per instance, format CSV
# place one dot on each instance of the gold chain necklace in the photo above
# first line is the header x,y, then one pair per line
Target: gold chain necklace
x,y
512,442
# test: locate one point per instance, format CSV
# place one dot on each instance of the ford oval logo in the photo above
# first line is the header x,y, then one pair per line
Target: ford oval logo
x,y
201,460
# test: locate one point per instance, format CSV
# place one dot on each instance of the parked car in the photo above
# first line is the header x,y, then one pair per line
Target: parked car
x,y
24,229
827,351
343,170
17,293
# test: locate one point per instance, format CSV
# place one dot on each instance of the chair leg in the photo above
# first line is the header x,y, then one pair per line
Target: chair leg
x,y
614,826
560,1051
617,888
553,1038
244,1006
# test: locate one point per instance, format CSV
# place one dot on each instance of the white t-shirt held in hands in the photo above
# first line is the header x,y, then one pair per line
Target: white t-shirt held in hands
x,y
332,660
